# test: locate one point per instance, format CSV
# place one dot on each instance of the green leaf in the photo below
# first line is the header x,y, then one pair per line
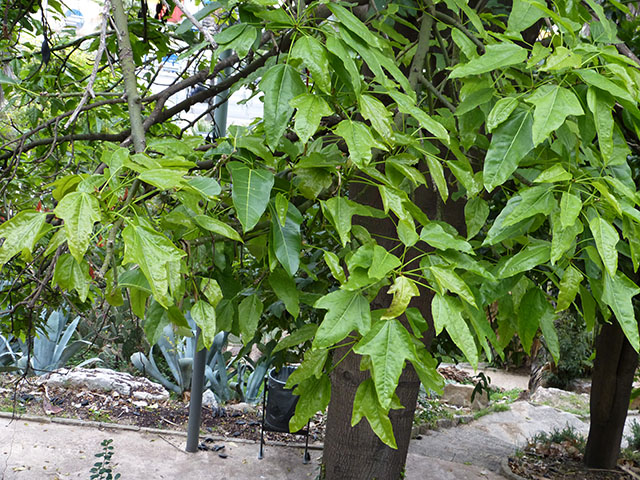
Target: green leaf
x,y
511,141
211,289
350,21
298,336
312,366
595,79
533,308
533,201
216,226
417,322
553,104
476,212
427,369
156,318
449,280
153,252
20,233
205,317
569,287
280,84
366,404
80,211
163,178
205,186
526,259
437,237
497,56
285,288
339,212
553,174
601,105
606,238
437,175
315,57
314,397
286,239
310,110
524,13
359,141
563,238
388,344
71,275
618,292
333,262
408,105
383,262
447,313
281,206
403,290
500,112
570,208
250,192
240,39
346,311
249,312
374,110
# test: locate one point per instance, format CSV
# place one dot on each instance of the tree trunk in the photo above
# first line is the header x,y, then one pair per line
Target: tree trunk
x,y
612,379
356,453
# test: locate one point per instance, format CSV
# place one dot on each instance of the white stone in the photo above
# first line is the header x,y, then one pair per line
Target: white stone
x,y
460,396
209,399
105,380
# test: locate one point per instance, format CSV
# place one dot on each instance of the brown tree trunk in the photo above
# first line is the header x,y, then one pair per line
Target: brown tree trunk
x,y
612,379
357,453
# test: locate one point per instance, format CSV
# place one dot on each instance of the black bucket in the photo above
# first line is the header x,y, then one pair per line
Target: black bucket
x,y
281,402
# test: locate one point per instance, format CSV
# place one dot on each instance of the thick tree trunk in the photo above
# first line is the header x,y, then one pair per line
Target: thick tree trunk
x,y
615,365
357,453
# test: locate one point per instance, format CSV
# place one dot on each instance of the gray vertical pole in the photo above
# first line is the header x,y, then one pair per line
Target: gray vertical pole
x,y
200,358
195,405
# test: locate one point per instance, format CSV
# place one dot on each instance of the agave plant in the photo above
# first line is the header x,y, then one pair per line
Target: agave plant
x,y
9,354
51,348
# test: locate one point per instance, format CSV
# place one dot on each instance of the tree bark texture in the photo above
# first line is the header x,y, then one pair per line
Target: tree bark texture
x,y
613,371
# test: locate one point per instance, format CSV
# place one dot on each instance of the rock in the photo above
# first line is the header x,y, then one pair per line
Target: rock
x,y
576,403
105,380
209,399
460,396
241,407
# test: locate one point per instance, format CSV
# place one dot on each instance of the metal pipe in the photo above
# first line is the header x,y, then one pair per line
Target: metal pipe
x,y
195,405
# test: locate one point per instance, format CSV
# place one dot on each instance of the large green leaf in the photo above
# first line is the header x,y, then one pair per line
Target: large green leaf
x,y
20,233
153,252
280,84
407,105
569,287
249,312
352,22
286,239
524,13
315,57
570,208
80,211
553,104
388,344
500,112
312,366
374,110
447,314
618,292
163,178
285,288
535,311
449,280
359,140
339,211
366,404
298,336
601,105
205,317
310,110
476,212
346,311
71,275
437,175
314,397
403,290
511,141
382,263
533,201
526,259
436,236
250,191
333,262
606,238
216,226
563,238
497,56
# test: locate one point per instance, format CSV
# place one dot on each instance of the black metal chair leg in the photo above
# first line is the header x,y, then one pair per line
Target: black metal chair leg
x,y
307,457
264,407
